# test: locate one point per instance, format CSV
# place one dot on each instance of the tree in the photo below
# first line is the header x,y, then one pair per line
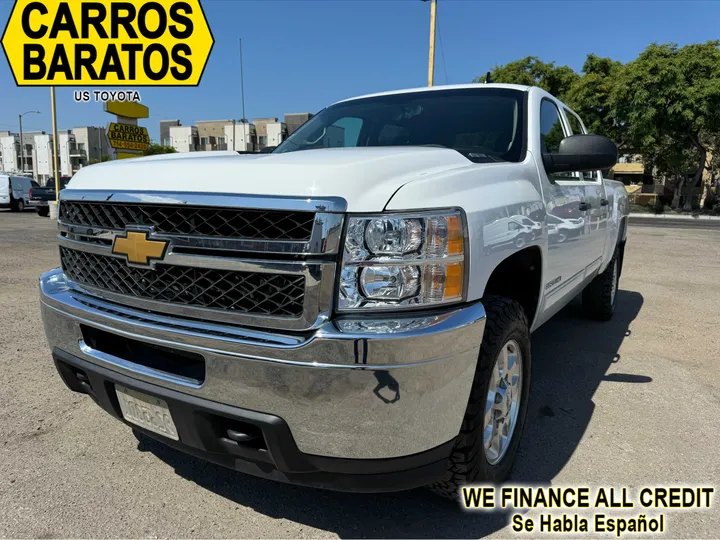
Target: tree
x,y
591,96
155,149
670,99
532,71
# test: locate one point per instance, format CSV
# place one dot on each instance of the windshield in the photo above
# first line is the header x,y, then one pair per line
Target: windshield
x,y
484,124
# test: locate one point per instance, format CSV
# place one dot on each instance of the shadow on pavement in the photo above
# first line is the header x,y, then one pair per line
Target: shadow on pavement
x,y
571,356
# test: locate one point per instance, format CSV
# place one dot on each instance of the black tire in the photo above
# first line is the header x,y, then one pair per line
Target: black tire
x,y
506,320
43,211
599,296
17,205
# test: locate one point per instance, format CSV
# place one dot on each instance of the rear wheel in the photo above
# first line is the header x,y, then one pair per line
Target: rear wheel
x,y
43,211
599,296
18,205
490,434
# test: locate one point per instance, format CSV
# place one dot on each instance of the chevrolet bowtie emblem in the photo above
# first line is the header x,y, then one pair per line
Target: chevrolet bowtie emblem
x,y
138,249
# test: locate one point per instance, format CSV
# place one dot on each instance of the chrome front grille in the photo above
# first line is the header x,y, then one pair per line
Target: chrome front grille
x,y
243,292
252,261
191,220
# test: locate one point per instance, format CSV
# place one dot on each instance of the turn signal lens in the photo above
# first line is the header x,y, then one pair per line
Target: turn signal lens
x,y
453,281
443,283
454,235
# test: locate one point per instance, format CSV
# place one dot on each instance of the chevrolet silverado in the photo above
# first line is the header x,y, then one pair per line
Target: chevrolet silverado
x,y
352,310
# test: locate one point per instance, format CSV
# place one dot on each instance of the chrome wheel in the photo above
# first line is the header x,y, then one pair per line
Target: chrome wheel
x,y
503,402
614,283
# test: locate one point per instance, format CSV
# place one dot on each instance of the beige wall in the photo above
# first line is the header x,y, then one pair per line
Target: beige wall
x,y
211,128
261,125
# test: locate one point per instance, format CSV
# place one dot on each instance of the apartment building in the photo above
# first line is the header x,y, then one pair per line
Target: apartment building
x,y
241,137
208,135
165,126
270,132
9,152
276,133
212,134
184,138
294,120
92,143
70,157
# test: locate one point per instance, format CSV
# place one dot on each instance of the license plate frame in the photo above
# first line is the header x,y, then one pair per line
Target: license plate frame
x,y
148,412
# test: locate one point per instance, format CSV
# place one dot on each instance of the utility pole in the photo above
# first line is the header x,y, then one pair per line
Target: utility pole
x,y
22,142
431,59
22,147
55,144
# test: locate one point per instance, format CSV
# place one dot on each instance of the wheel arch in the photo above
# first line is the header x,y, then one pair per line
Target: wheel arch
x,y
519,277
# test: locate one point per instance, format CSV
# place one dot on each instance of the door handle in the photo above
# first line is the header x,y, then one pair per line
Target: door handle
x,y
584,206
604,202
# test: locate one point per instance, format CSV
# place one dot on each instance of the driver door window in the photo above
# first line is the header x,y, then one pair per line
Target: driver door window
x,y
577,128
551,133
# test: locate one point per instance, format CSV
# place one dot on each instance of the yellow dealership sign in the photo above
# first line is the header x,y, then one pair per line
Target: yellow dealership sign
x,y
128,109
128,137
107,43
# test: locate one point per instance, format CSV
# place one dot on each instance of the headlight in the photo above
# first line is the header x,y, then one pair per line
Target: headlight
x,y
398,261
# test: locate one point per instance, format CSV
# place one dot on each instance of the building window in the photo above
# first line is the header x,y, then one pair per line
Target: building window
x,y
221,140
262,140
203,141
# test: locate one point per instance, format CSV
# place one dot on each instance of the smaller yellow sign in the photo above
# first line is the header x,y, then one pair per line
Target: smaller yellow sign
x,y
127,137
127,155
128,109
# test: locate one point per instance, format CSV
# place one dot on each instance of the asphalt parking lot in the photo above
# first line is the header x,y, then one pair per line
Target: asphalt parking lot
x,y
635,401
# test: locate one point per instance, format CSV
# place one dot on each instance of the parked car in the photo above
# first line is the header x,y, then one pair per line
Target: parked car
x,y
567,227
15,191
40,197
534,226
331,317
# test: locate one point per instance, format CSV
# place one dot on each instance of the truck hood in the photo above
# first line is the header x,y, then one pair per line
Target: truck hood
x,y
365,177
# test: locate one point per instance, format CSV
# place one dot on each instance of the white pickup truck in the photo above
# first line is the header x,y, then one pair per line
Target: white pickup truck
x,y
353,310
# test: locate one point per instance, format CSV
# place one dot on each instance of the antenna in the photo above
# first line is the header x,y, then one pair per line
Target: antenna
x,y
488,78
242,82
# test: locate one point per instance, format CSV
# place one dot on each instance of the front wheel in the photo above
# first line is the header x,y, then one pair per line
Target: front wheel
x,y
491,429
43,211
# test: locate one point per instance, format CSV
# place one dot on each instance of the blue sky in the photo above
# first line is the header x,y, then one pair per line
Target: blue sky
x,y
302,55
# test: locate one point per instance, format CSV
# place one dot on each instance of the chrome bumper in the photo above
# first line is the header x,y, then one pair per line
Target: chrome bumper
x,y
345,390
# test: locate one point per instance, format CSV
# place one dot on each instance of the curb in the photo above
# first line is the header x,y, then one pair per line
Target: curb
x,y
680,222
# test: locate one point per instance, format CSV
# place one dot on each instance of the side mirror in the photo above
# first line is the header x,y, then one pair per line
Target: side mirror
x,y
267,149
582,153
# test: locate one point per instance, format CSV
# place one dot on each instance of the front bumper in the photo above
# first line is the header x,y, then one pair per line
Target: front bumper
x,y
350,395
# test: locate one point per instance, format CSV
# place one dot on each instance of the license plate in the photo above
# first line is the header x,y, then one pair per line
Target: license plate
x,y
146,411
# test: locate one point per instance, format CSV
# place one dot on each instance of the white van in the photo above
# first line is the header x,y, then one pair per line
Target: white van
x,y
15,191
